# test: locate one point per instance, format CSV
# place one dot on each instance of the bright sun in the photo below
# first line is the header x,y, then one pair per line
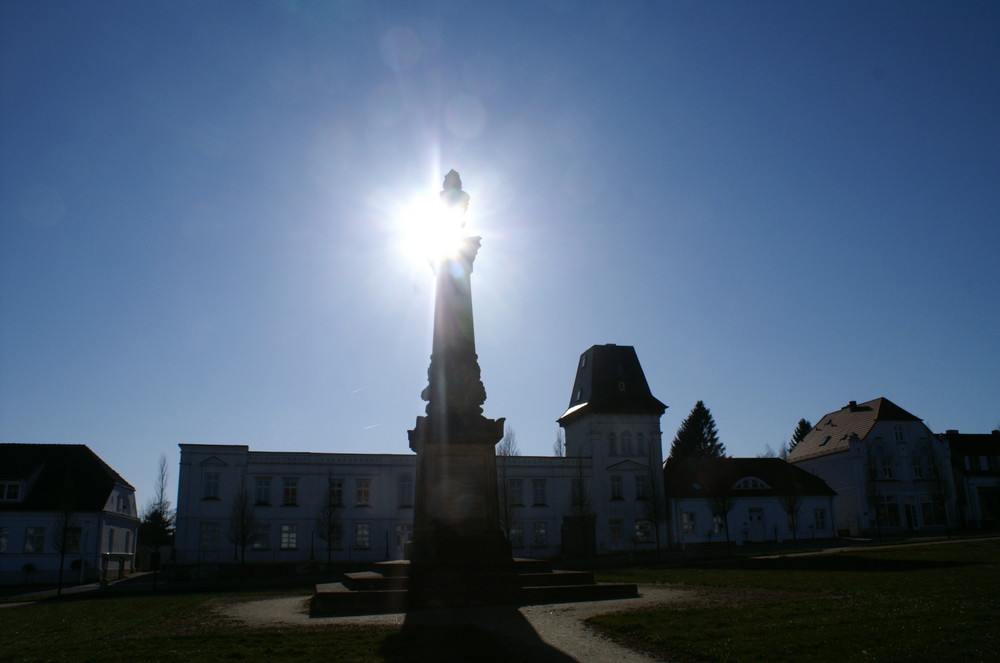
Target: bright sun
x,y
430,231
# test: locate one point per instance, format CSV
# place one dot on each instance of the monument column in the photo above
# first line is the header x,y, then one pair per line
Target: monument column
x,y
458,554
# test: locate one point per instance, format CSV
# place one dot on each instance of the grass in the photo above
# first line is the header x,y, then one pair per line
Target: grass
x,y
187,628
932,602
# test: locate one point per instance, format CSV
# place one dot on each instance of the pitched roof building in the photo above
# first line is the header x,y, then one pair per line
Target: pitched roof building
x,y
975,463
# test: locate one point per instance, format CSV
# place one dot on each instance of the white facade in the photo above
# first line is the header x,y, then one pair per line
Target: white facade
x,y
752,520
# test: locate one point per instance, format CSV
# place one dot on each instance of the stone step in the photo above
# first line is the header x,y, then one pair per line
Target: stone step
x,y
522,565
575,593
555,578
372,581
334,599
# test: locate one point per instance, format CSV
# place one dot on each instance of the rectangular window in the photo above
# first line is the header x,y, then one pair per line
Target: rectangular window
x,y
643,531
208,537
72,539
10,492
516,535
642,487
111,539
688,522
718,526
3,539
887,511
538,491
515,489
337,492
932,513
362,536
539,538
404,490
887,469
262,491
290,491
262,537
617,491
210,486
897,433
34,539
363,492
289,536
616,533
918,468
819,519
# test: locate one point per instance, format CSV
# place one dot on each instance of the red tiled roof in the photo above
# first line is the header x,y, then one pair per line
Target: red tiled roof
x,y
710,476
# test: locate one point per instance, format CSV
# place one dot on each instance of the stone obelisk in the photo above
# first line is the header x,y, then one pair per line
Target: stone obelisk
x,y
458,553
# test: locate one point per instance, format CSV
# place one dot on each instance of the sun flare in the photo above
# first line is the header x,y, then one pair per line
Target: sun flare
x,y
430,231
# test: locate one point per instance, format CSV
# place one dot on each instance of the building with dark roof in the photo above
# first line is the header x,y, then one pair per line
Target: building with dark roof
x,y
62,504
975,464
740,500
889,471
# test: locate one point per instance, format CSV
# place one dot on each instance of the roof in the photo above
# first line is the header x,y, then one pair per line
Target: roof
x,y
609,380
53,467
972,444
708,476
833,433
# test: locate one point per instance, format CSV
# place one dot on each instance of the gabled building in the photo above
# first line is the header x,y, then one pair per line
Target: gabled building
x,y
62,504
890,473
975,464
756,499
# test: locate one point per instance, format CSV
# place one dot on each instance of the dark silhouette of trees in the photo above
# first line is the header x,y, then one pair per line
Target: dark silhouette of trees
x,y
722,504
697,436
242,524
66,535
509,502
559,446
157,527
329,526
801,430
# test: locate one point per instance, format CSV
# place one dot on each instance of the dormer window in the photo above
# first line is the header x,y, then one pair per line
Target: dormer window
x,y
750,483
621,385
583,361
10,492
824,442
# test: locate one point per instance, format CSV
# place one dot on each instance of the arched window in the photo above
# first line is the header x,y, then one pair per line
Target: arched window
x,y
626,443
612,445
640,445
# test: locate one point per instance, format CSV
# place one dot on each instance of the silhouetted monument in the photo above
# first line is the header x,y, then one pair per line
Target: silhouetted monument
x,y
458,550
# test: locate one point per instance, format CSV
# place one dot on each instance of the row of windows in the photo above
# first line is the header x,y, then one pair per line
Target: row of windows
x,y
287,536
689,520
290,490
68,541
642,532
643,489
624,447
515,492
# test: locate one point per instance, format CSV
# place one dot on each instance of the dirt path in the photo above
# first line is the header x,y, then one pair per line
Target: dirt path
x,y
559,626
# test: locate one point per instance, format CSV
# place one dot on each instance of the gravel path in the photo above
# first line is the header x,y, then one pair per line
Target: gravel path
x,y
558,628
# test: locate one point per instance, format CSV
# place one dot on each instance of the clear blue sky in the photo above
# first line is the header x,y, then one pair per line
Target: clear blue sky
x,y
782,206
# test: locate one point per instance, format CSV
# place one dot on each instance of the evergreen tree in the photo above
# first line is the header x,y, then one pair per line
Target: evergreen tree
x,y
801,431
697,435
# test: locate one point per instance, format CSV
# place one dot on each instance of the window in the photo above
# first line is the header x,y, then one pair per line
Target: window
x,y
642,490
640,445
290,491
262,491
750,483
72,538
583,361
362,492
932,513
336,492
688,522
208,537
538,491
918,467
3,539
612,445
643,531
515,490
539,538
887,469
262,537
718,526
616,533
210,486
10,492
887,511
516,535
290,536
111,539
621,386
617,493
362,536
819,519
578,395
128,541
897,433
404,491
34,539
626,443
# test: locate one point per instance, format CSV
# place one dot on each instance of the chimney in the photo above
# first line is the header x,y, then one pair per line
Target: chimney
x,y
853,405
951,431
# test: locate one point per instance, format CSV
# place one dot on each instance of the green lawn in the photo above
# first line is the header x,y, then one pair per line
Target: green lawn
x,y
923,603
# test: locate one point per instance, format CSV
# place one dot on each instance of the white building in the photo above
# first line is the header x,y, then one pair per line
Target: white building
x,y
756,499
975,466
603,497
891,474
62,504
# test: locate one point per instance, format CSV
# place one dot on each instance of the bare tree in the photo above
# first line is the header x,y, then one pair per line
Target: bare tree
x,y
791,503
940,488
66,534
329,525
242,524
508,501
722,504
559,446
157,527
768,452
581,510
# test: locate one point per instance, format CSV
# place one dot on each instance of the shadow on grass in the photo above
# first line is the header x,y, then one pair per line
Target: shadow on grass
x,y
480,634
